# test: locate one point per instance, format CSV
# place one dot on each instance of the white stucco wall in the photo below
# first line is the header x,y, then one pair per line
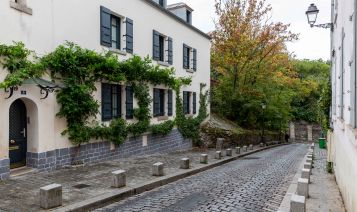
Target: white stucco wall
x,y
342,142
55,21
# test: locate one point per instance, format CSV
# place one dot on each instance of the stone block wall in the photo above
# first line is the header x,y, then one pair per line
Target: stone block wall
x,y
4,169
104,151
301,131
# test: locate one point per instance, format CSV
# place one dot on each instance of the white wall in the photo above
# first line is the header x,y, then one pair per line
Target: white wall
x,y
343,144
55,21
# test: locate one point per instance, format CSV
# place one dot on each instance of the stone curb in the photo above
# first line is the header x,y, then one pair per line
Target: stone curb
x,y
111,197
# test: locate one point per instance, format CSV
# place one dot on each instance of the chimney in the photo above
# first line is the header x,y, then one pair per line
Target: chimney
x,y
181,10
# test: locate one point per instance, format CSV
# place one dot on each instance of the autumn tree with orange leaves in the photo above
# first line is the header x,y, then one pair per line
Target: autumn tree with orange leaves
x,y
251,66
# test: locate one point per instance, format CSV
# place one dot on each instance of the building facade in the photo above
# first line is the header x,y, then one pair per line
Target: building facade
x,y
30,131
342,143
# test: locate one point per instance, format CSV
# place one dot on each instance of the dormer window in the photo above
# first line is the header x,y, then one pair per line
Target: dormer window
x,y
188,16
21,6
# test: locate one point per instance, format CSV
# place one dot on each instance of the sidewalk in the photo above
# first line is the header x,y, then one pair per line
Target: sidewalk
x,y
323,190
21,193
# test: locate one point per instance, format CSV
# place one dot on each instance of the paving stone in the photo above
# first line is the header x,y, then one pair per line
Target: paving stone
x,y
242,185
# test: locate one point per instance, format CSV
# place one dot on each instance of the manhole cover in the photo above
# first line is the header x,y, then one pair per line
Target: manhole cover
x,y
80,186
251,158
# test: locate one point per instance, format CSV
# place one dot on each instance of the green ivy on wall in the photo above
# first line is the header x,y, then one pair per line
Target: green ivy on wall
x,y
79,69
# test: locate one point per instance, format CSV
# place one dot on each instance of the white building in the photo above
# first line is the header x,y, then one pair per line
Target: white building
x,y
342,140
30,132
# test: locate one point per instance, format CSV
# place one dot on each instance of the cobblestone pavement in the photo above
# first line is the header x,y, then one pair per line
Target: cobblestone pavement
x,y
323,190
21,193
254,183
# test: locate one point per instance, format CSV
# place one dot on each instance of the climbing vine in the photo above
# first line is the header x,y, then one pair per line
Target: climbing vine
x,y
79,69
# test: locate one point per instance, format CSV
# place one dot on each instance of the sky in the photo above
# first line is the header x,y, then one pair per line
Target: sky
x,y
313,43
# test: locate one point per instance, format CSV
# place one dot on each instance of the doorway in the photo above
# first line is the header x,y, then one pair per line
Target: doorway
x,y
17,134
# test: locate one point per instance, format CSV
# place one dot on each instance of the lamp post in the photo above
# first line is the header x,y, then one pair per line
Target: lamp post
x,y
312,13
264,106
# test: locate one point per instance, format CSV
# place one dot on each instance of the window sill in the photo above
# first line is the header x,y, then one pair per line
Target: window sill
x,y
162,118
189,115
21,7
163,63
190,71
118,51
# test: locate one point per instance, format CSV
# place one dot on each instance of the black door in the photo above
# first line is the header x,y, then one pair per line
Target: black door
x,y
17,134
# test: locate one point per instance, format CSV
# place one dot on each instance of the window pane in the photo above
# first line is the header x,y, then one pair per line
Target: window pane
x,y
114,101
162,48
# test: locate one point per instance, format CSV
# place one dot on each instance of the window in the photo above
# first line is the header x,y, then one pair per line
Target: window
x,y
115,32
188,16
159,102
110,30
111,101
129,103
189,58
161,2
186,102
162,48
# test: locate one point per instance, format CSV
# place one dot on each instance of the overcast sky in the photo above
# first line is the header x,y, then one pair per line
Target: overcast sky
x,y
314,43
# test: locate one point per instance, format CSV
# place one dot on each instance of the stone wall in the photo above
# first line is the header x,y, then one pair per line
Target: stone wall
x,y
4,169
302,131
103,151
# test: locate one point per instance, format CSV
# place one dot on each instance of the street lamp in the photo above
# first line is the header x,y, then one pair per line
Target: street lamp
x,y
311,14
264,106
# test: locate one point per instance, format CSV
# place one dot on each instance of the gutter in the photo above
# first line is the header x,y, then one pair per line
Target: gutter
x,y
170,14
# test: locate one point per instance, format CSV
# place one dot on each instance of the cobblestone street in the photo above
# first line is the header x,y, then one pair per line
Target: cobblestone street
x,y
254,183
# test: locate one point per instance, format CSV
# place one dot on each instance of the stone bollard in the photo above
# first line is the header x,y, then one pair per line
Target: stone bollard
x,y
307,166
219,143
204,158
297,203
229,152
251,147
218,155
261,145
158,169
51,196
185,163
119,178
305,173
303,187
245,148
238,150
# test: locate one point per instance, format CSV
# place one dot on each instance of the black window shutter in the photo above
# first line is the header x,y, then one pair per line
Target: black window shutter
x,y
194,102
185,57
169,102
194,58
105,27
156,102
129,102
156,45
170,51
106,102
118,90
185,108
129,35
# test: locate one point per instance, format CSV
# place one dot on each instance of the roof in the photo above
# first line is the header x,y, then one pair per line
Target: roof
x,y
178,5
178,19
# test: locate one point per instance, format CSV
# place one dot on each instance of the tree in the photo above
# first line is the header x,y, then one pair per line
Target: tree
x,y
252,65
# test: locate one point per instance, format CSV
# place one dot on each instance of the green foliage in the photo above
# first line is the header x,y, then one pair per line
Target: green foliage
x,y
79,69
163,128
15,60
190,127
313,96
